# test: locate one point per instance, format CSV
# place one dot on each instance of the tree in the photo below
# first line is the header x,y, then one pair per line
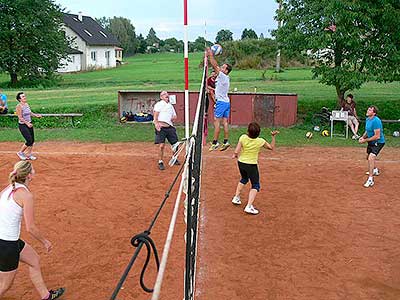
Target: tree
x,y
32,41
249,34
104,22
142,45
124,31
224,35
200,44
351,42
172,44
152,39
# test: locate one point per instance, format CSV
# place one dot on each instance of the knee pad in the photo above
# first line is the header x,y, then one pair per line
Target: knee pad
x,y
244,181
256,186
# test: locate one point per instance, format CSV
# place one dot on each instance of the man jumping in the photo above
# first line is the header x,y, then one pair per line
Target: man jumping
x,y
222,105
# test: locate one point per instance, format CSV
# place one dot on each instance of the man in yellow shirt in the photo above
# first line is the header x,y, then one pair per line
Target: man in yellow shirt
x,y
247,151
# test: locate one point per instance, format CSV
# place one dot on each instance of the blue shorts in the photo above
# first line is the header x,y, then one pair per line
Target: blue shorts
x,y
222,109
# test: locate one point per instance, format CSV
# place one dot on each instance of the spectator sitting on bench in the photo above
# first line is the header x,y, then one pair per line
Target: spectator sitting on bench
x,y
349,105
3,103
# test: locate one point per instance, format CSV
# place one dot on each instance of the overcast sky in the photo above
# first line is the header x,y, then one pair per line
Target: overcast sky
x,y
166,16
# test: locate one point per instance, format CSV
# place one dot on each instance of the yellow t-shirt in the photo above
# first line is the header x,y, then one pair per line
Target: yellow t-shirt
x,y
250,149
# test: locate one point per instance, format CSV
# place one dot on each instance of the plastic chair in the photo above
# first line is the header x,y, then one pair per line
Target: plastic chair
x,y
338,115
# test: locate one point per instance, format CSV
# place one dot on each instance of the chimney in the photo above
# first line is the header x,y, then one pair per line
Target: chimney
x,y
80,17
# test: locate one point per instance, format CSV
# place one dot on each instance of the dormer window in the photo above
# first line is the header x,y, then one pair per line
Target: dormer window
x,y
87,32
103,34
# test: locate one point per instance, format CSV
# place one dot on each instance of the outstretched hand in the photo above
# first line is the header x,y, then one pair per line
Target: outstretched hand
x,y
274,132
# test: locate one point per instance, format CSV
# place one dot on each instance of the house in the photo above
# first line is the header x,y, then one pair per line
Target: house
x,y
93,47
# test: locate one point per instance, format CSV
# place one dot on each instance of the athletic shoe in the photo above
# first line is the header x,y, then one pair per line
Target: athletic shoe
x,y
175,147
251,210
21,155
369,183
214,147
236,200
31,157
161,166
375,172
224,146
55,294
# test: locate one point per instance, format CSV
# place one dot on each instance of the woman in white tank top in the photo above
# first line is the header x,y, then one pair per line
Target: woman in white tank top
x,y
16,201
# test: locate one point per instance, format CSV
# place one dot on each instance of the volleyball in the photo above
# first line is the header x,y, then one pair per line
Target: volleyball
x,y
396,134
309,135
216,49
325,133
316,128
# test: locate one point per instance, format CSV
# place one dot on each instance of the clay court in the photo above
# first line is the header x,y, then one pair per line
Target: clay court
x,y
320,233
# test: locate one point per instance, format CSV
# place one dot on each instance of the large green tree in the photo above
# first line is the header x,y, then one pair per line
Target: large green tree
x,y
351,42
125,33
224,35
32,41
152,39
249,34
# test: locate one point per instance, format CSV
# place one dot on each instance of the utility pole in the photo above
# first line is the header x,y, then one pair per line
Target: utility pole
x,y
278,54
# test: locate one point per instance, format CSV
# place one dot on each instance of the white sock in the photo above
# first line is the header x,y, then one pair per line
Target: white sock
x,y
160,161
370,178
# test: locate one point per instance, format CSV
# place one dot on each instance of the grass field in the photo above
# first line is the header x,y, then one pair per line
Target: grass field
x,y
95,95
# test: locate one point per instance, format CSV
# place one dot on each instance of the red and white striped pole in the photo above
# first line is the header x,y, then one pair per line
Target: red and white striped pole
x,y
186,58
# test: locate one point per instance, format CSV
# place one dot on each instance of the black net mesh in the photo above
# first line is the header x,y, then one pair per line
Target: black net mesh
x,y
193,191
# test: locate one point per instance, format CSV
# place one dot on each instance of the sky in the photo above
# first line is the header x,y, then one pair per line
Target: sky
x,y
205,17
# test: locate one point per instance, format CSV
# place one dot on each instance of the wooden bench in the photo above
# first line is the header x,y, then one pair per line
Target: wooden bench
x,y
71,115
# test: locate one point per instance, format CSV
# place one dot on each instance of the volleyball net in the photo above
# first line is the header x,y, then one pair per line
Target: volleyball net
x,y
192,201
190,186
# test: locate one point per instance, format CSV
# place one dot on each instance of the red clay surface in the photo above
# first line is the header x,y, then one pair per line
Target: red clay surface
x,y
320,233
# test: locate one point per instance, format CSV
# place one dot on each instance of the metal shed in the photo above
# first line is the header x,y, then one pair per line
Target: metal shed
x,y
268,109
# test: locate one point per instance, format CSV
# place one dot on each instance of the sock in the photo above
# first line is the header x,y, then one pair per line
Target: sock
x,y
215,142
160,161
225,141
370,178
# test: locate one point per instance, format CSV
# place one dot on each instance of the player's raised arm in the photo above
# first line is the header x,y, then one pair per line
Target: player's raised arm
x,y
213,62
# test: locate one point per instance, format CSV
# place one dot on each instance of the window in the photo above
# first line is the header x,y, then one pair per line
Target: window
x,y
87,32
93,55
103,34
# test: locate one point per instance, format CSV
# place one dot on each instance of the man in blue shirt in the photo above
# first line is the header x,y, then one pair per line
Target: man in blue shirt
x,y
376,140
3,103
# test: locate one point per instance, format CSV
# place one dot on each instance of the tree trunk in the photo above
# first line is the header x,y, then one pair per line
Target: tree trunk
x,y
340,95
14,79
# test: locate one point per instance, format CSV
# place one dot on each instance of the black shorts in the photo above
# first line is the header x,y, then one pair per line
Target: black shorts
x,y
374,147
9,254
168,133
249,171
5,111
28,134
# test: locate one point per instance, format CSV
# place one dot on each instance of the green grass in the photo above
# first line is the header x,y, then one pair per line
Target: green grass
x,y
95,95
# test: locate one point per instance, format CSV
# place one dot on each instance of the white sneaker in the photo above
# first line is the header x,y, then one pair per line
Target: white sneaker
x,y
251,210
375,172
236,200
21,155
369,183
214,147
175,147
31,157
